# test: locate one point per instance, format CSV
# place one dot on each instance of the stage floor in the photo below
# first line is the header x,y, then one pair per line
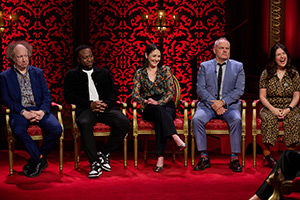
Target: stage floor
x,y
174,182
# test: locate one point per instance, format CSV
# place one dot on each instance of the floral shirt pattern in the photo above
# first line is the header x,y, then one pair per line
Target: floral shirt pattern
x,y
25,87
143,87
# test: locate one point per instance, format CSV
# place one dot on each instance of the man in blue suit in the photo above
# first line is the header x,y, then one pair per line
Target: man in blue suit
x,y
25,92
220,84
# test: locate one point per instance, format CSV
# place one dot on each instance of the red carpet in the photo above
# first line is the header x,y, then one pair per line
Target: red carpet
x,y
175,182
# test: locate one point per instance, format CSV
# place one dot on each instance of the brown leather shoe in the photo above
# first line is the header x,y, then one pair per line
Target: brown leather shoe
x,y
202,164
271,160
235,166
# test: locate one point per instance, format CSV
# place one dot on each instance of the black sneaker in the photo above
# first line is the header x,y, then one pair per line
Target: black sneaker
x,y
37,168
104,161
95,170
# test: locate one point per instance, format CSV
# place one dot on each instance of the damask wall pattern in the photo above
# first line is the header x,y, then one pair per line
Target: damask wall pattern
x,y
119,37
47,25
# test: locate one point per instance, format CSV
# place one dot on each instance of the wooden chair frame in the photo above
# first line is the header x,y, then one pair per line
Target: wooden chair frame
x,y
183,132
76,135
56,109
219,132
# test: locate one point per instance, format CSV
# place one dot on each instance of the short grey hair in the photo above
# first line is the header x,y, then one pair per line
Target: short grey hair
x,y
11,46
221,38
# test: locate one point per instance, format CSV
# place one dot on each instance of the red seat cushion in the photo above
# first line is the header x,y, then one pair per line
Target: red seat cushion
x,y
100,127
216,124
147,125
34,130
258,124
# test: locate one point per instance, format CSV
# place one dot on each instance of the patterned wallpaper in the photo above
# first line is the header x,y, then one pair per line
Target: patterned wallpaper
x,y
47,25
119,36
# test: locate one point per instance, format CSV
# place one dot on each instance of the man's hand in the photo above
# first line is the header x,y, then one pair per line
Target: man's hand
x,y
38,115
33,116
221,111
217,104
28,115
98,106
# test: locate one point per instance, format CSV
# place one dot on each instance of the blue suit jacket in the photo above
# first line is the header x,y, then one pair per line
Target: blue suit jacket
x,y
11,93
233,83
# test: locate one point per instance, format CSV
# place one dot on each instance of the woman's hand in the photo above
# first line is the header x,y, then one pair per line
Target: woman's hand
x,y
277,112
284,112
151,101
280,113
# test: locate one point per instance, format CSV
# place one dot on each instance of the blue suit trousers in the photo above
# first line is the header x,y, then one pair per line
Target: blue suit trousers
x,y
49,124
233,118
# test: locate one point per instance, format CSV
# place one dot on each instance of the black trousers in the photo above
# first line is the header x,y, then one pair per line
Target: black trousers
x,y
163,118
289,162
119,125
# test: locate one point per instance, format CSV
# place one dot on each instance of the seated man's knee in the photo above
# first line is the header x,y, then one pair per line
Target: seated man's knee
x,y
200,118
58,130
18,130
83,122
124,123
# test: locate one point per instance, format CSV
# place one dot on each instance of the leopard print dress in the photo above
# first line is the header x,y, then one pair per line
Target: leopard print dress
x,y
279,95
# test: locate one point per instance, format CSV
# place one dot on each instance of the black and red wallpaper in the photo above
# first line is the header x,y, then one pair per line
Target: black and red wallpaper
x,y
118,37
47,25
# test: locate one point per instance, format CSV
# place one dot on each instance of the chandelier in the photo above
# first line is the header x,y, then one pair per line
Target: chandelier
x,y
161,21
7,22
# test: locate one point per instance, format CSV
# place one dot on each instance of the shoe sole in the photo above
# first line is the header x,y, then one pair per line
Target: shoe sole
x,y
95,176
105,169
205,166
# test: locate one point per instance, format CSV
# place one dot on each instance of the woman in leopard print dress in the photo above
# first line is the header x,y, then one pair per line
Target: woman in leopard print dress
x,y
279,93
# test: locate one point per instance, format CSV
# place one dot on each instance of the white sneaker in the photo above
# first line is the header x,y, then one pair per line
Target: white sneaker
x,y
104,161
95,170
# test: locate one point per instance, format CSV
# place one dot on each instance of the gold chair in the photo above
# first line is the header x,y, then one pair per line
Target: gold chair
x,y
35,133
218,127
143,127
100,129
256,126
283,187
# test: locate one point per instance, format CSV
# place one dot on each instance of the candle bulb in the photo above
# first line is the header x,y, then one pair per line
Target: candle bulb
x,y
10,19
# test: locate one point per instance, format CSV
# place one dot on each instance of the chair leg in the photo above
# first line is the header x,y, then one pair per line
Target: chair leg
x,y
10,158
186,150
61,149
125,151
173,152
254,151
135,151
145,147
193,150
76,153
243,151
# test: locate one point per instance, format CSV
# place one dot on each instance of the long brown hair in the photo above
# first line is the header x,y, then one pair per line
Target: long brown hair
x,y
272,66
